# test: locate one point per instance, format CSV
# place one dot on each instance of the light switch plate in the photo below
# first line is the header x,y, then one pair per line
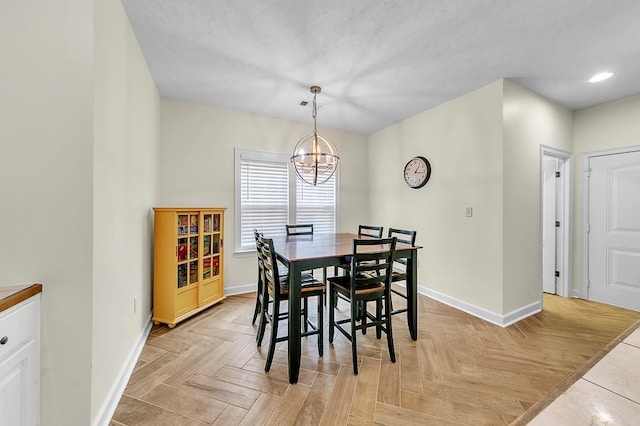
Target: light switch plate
x,y
469,211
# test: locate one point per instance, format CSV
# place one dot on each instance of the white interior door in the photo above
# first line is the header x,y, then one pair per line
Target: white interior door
x,y
549,218
614,229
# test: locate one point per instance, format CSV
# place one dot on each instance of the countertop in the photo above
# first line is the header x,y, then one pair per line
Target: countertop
x,y
12,295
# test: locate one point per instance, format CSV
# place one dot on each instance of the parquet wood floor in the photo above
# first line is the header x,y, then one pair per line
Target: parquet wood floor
x,y
461,370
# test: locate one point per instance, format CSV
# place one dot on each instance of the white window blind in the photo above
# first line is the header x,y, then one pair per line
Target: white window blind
x,y
317,205
264,195
264,184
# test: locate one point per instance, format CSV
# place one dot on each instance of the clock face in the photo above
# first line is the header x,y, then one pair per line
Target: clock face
x,y
417,172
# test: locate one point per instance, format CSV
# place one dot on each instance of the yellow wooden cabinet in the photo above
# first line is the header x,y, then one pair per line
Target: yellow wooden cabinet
x,y
187,262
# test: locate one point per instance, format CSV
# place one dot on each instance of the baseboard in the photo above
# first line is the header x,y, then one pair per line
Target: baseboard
x,y
476,311
240,289
521,313
113,397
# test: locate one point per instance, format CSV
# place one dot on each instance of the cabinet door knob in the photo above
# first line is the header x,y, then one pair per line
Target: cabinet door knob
x,y
4,340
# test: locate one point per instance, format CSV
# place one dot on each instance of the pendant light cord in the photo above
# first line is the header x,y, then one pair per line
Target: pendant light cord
x,y
314,113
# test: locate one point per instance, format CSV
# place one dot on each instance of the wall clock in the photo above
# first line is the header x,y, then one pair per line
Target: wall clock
x,y
417,172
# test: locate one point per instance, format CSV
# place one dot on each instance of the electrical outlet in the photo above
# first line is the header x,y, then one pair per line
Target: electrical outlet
x,y
135,304
469,212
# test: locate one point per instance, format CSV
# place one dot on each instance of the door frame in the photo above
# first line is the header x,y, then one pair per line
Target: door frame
x,y
563,283
585,161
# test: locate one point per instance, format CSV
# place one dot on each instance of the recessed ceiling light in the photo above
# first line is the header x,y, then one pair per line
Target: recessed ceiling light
x,y
600,77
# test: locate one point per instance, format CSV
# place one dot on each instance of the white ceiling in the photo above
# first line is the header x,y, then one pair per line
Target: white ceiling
x,y
381,61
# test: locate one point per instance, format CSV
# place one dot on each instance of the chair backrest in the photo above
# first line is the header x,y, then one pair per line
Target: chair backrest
x,y
371,263
259,236
306,229
370,231
270,267
403,236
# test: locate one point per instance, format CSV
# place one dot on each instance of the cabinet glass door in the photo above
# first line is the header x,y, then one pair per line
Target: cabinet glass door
x,y
183,224
182,275
193,272
209,243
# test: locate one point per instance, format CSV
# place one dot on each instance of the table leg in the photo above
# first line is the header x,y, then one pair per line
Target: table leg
x,y
412,294
294,323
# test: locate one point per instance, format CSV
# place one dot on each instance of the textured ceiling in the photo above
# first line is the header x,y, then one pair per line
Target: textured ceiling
x,y
381,61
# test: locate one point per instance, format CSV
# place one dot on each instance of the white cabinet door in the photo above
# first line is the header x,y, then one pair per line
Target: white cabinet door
x,y
17,387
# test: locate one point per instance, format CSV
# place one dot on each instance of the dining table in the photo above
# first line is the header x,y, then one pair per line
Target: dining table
x,y
307,252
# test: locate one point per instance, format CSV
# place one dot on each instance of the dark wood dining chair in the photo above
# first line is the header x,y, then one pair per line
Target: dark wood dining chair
x,y
260,291
306,229
263,300
277,288
369,279
262,296
399,272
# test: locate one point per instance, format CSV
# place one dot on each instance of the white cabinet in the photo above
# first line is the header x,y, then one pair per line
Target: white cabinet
x,y
20,363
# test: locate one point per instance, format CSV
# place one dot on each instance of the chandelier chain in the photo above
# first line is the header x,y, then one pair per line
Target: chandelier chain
x,y
314,113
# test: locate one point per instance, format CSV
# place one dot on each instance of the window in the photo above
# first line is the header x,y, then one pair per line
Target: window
x,y
269,195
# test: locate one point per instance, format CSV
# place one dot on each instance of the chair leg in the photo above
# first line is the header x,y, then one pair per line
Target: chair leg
x,y
362,311
392,352
379,318
256,311
305,309
274,335
261,328
320,324
262,325
332,305
354,348
324,281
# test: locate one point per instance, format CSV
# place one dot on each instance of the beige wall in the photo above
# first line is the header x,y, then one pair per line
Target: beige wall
x,y
484,148
197,166
462,257
125,186
607,126
529,120
78,173
46,139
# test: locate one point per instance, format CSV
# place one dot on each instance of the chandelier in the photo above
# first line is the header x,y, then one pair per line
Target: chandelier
x,y
315,158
